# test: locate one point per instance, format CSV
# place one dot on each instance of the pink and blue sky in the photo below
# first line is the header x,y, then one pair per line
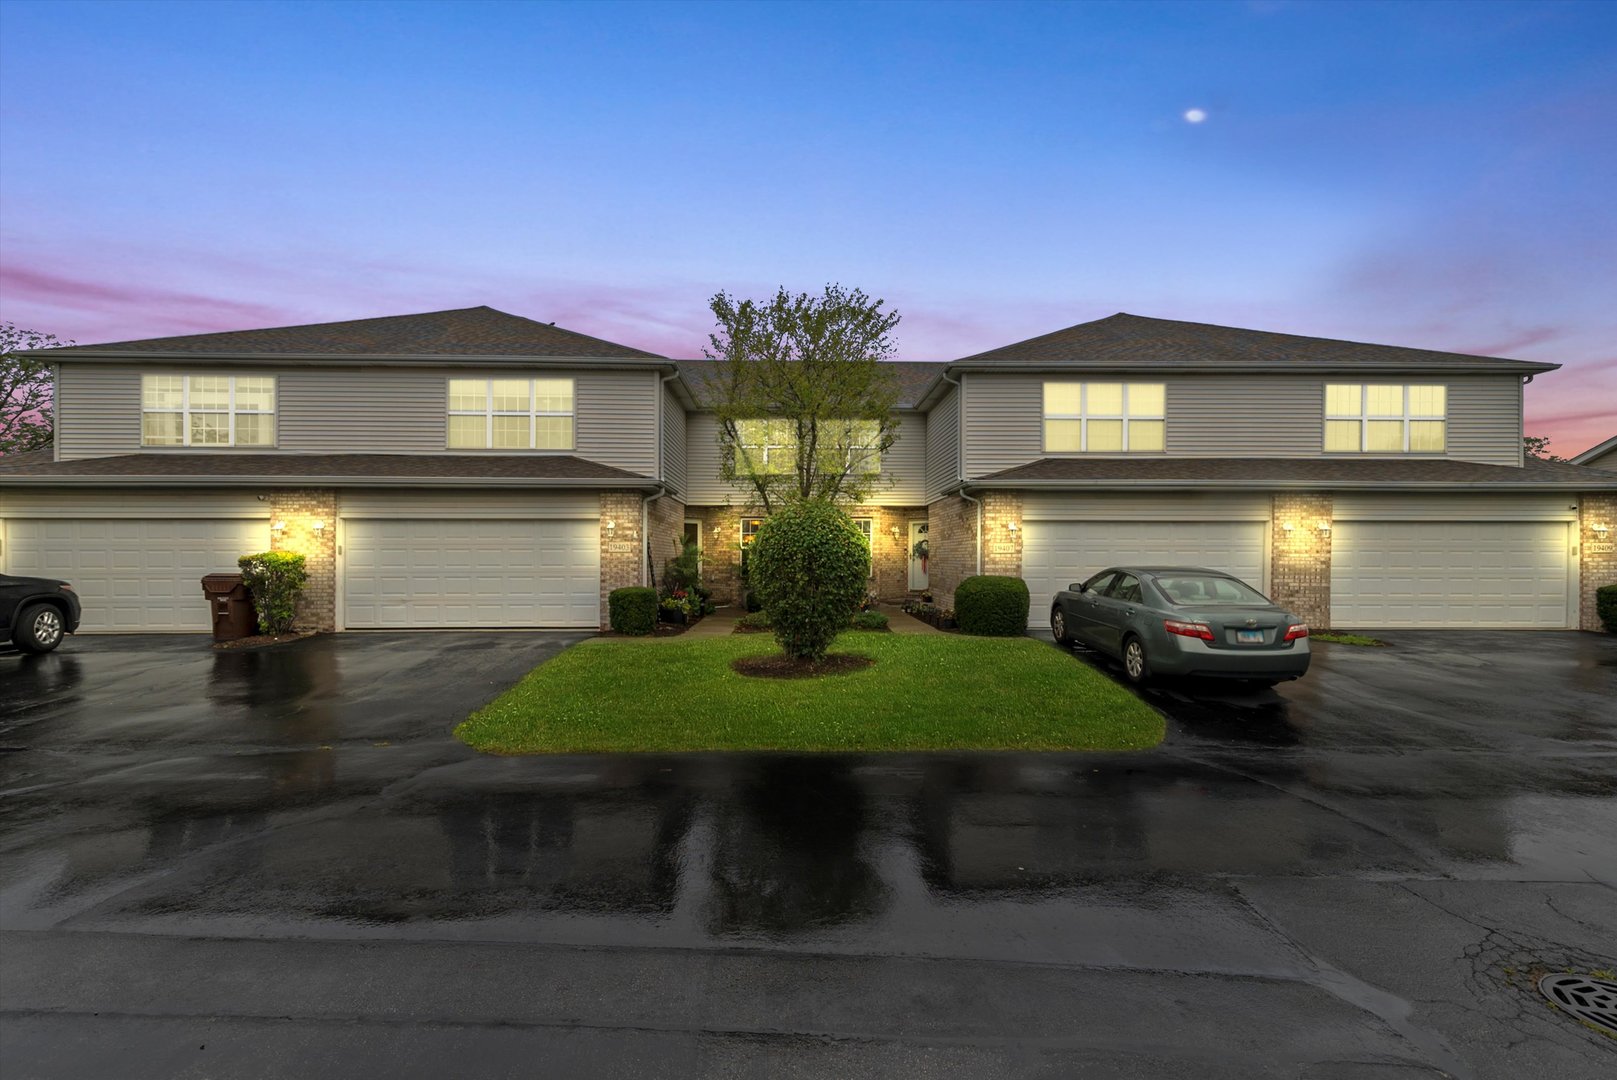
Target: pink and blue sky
x,y
1438,175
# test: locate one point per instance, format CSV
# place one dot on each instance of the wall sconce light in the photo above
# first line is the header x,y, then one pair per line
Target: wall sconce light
x,y
611,526
1601,528
716,529
1287,526
1324,527
1013,526
894,530
278,526
318,526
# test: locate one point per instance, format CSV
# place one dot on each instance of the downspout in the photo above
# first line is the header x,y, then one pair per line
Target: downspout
x,y
647,575
960,465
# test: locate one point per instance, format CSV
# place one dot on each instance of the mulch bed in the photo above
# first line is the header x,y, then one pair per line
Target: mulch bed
x,y
780,666
257,641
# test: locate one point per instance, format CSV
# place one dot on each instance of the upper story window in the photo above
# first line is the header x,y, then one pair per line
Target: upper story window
x,y
771,444
511,414
1105,418
207,410
1378,418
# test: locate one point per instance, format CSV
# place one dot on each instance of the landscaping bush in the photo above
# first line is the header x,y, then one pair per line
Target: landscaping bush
x,y
757,620
808,565
992,606
632,610
275,578
869,620
1606,607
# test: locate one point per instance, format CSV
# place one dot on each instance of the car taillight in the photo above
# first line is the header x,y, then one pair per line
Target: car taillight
x,y
65,585
1295,631
1188,629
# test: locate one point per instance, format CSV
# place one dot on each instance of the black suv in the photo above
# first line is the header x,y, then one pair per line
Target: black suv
x,y
36,612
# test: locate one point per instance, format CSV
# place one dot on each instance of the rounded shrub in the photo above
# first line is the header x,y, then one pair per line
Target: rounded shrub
x,y
808,566
632,610
275,578
992,606
1606,607
869,620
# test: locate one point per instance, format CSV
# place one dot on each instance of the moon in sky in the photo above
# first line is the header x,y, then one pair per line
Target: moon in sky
x,y
1195,116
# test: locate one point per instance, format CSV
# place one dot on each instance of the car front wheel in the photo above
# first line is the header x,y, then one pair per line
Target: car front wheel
x,y
1135,664
40,629
1058,627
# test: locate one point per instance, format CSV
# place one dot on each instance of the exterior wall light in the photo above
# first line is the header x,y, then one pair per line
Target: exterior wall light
x,y
1287,526
894,530
611,525
1324,526
1600,527
318,526
1013,526
278,526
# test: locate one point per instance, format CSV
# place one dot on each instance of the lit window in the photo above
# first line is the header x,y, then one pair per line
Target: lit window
x,y
769,447
1105,418
1385,418
749,530
867,529
207,410
510,414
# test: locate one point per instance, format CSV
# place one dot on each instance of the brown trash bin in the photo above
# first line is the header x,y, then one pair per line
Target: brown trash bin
x,y
233,614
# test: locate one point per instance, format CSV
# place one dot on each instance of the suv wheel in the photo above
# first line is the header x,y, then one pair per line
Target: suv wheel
x,y
39,630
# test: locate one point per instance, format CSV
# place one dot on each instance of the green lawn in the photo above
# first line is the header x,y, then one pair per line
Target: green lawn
x,y
1344,639
925,692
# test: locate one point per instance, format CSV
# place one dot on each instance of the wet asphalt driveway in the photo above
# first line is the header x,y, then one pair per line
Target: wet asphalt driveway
x,y
278,863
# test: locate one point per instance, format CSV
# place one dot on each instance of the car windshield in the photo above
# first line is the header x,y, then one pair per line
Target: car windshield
x,y
1193,590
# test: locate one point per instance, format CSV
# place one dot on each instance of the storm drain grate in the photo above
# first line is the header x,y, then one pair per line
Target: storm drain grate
x,y
1592,1000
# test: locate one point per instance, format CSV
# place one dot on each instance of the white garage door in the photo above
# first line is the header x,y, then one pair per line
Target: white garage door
x,y
405,574
134,574
1392,574
1057,553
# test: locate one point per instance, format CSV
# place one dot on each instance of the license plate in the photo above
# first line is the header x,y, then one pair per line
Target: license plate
x,y
1249,637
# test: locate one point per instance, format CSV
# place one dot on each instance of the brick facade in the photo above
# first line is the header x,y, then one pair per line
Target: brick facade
x,y
1598,567
953,537
622,555
294,513
1300,560
665,525
721,547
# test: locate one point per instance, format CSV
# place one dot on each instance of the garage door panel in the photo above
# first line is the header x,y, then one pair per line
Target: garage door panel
x,y
133,574
1057,553
407,573
1433,574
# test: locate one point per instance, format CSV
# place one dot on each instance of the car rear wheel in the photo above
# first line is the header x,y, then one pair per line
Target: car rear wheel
x,y
1135,664
1058,627
40,629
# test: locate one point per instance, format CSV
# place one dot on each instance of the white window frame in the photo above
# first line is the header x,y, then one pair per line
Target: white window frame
x,y
231,411
865,454
1364,419
533,413
1084,416
867,526
741,531
760,453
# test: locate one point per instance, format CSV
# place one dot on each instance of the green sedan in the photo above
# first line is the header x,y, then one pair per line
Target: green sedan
x,y
1182,620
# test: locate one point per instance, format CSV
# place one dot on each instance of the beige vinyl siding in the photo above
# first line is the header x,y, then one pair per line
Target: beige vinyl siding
x,y
943,445
902,480
1439,507
674,436
1240,416
97,411
483,503
1118,506
360,410
20,502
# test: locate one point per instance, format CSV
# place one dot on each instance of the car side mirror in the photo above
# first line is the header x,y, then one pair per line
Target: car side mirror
x,y
1078,586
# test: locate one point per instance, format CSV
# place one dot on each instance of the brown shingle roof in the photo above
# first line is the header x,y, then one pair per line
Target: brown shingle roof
x,y
476,331
426,468
1293,472
913,377
1127,341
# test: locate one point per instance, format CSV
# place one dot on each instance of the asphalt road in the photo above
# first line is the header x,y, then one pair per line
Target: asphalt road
x,y
278,863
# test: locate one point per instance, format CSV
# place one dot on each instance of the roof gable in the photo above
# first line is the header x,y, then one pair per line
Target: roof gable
x,y
475,331
1125,340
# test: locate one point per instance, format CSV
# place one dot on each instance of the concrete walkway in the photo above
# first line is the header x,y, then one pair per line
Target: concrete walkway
x,y
900,622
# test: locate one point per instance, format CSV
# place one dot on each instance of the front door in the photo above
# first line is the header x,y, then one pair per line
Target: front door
x,y
918,556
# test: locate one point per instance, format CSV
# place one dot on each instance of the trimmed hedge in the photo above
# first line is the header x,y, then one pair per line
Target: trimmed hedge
x,y
632,610
1606,607
275,578
869,620
808,565
992,606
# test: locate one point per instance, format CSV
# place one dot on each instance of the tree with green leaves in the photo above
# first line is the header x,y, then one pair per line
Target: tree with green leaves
x,y
27,409
1538,446
804,400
